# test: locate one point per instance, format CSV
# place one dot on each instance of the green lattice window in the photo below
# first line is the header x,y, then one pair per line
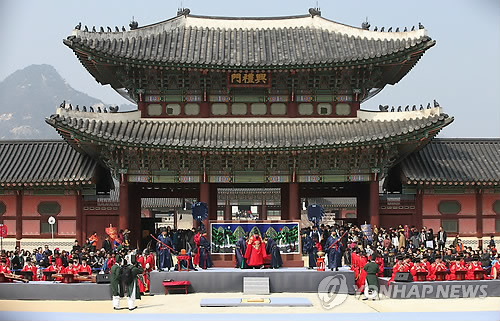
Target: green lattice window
x,y
496,207
49,208
3,208
350,215
449,207
497,226
450,225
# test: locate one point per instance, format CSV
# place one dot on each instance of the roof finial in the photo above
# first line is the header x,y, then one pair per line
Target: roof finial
x,y
315,11
181,11
365,25
133,24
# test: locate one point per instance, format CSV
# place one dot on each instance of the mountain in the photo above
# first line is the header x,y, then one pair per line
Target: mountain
x,y
29,95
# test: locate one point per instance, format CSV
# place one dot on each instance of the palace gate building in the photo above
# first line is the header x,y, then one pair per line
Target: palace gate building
x,y
268,108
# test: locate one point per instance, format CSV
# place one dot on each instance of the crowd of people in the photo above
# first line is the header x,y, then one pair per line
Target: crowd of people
x,y
401,249
423,253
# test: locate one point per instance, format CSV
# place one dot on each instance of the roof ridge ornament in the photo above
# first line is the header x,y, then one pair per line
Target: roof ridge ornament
x,y
365,25
183,12
315,11
133,24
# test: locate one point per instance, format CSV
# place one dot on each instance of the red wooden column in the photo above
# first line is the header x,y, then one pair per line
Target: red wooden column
x,y
374,204
362,203
292,109
294,201
204,109
419,208
228,215
263,214
479,216
284,205
124,202
134,215
205,197
80,219
19,218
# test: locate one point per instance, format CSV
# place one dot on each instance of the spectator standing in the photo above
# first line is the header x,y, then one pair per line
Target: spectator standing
x,y
441,238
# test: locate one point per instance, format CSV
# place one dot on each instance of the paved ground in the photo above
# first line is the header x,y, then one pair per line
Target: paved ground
x,y
175,306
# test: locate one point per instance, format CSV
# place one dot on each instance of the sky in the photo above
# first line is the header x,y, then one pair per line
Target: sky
x,y
462,72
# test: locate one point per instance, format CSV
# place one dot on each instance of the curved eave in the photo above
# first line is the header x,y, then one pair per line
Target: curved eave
x,y
70,133
407,54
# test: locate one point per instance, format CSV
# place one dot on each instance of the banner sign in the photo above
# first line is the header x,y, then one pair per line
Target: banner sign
x,y
224,236
248,79
367,231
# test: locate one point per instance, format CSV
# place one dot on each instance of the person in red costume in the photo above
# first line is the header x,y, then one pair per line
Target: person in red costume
x,y
4,268
147,262
475,265
70,269
52,268
400,266
354,259
84,267
419,267
256,251
30,267
360,273
379,260
437,266
196,251
458,265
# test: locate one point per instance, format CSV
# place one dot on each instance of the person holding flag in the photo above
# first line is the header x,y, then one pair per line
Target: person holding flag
x,y
332,249
163,248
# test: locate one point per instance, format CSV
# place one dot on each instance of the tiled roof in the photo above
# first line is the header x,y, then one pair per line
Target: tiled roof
x,y
248,42
455,161
247,134
44,163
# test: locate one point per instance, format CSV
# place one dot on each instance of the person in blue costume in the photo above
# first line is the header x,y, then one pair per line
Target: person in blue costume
x,y
239,251
204,250
332,249
163,252
311,247
274,252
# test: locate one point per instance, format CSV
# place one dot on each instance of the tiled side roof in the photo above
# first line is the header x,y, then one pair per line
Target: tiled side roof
x,y
253,43
455,160
245,134
43,163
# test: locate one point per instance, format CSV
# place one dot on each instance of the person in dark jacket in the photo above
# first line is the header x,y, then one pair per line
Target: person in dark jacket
x,y
274,251
239,251
106,245
116,284
441,238
371,282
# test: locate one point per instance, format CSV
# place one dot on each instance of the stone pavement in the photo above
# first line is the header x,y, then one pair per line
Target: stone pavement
x,y
187,307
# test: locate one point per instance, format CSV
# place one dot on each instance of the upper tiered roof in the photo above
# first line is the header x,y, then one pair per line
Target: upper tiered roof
x,y
200,42
249,42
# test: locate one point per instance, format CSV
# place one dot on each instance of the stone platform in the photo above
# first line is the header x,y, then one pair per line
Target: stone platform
x,y
224,280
